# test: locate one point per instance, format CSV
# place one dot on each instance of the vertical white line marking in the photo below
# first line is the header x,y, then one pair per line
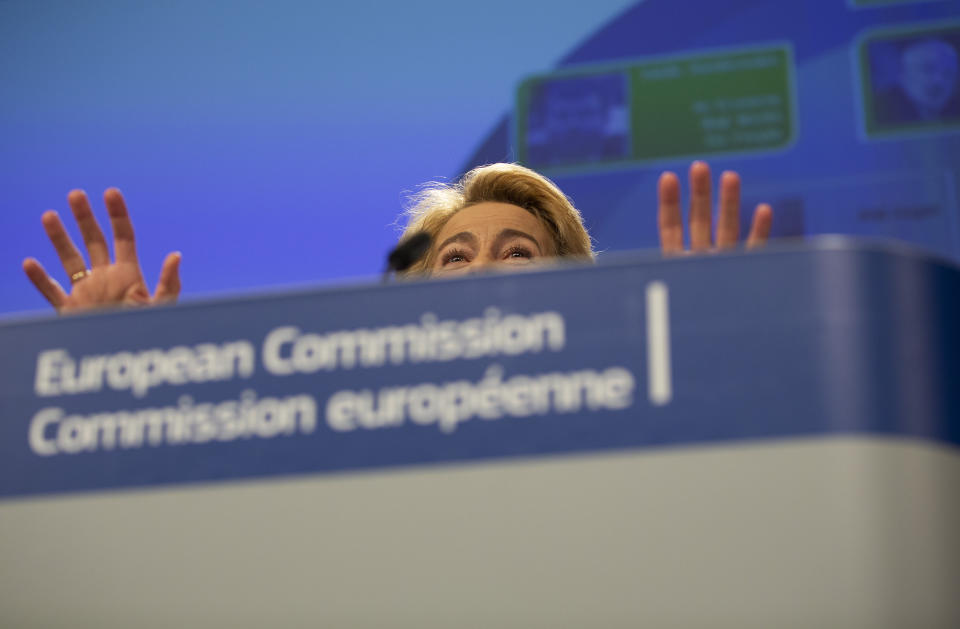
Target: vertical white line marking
x,y
659,376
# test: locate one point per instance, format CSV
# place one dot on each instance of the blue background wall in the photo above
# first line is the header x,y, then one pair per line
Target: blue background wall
x,y
272,143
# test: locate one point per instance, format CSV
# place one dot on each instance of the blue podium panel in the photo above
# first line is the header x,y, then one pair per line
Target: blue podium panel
x,y
764,439
636,353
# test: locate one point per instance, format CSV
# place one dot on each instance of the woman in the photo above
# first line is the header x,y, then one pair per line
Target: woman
x,y
496,216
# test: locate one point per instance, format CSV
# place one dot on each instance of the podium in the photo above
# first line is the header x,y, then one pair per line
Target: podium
x,y
743,440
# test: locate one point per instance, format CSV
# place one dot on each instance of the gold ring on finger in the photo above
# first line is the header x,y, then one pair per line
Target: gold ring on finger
x,y
79,275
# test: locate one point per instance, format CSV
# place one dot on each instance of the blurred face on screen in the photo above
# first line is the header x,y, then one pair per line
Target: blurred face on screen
x,y
929,75
490,236
576,115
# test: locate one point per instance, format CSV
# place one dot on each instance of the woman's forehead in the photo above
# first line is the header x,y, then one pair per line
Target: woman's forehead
x,y
488,217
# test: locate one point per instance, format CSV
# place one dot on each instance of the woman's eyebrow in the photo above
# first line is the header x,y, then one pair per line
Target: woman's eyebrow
x,y
465,237
507,234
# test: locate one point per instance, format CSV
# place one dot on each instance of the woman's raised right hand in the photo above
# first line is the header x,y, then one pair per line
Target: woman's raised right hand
x,y
104,283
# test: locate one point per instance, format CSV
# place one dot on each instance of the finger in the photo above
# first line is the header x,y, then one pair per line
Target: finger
x,y
760,227
69,254
728,216
89,229
700,210
47,286
669,219
168,288
124,246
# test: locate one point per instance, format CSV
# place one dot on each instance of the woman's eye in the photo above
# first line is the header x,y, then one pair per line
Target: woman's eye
x,y
518,252
453,257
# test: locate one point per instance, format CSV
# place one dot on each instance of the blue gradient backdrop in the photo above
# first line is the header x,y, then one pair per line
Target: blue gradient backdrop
x,y
272,143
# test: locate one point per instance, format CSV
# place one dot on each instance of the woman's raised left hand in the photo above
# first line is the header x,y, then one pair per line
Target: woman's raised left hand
x,y
703,237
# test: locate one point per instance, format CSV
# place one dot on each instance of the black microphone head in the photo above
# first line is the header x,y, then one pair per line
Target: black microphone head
x,y
408,252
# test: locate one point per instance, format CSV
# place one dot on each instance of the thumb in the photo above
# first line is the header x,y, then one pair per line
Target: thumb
x,y
760,227
168,287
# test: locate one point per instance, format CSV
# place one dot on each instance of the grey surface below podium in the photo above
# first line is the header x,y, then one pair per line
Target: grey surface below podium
x,y
816,533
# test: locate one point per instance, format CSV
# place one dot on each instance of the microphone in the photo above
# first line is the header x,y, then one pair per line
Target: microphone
x,y
406,254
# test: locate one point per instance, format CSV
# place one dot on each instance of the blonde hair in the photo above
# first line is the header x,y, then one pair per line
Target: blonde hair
x,y
436,203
